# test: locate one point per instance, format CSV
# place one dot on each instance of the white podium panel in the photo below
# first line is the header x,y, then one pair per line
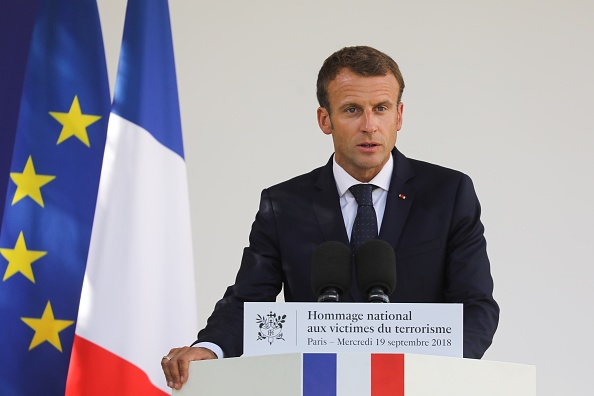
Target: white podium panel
x,y
358,374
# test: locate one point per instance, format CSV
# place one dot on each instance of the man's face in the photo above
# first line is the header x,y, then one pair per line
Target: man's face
x,y
364,120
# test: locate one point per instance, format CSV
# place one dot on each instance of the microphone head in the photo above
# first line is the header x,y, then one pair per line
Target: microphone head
x,y
375,264
331,267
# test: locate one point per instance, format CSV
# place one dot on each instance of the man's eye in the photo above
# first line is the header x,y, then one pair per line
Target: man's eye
x,y
381,108
351,110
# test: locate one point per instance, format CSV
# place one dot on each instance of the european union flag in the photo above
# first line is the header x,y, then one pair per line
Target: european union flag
x,y
51,195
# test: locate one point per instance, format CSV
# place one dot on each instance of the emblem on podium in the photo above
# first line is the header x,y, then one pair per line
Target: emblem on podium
x,y
271,327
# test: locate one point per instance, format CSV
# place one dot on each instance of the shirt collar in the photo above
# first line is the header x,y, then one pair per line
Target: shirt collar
x,y
344,180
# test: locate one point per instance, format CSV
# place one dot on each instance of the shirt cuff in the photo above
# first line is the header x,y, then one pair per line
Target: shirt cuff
x,y
213,347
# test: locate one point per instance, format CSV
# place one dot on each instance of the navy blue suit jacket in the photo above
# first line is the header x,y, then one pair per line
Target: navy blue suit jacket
x,y
435,231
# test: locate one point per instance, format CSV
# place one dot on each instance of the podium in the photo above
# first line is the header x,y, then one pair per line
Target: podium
x,y
358,374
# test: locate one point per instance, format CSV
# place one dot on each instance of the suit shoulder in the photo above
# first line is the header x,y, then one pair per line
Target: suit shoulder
x,y
298,182
432,180
429,170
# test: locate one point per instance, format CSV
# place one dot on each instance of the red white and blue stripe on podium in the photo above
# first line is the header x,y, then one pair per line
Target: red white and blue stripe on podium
x,y
331,374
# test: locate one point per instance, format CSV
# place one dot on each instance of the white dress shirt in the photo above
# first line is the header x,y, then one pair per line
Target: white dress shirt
x,y
348,204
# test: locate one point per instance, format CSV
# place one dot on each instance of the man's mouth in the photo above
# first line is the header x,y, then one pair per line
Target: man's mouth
x,y
368,145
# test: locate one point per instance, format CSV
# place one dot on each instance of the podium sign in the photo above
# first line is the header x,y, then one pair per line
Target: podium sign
x,y
429,329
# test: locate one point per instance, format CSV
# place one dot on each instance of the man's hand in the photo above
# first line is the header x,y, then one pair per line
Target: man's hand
x,y
177,363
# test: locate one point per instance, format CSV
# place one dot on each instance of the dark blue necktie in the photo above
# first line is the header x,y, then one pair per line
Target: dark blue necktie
x,y
365,225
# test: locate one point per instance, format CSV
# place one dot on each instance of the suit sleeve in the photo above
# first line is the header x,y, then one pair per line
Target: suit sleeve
x,y
259,279
469,278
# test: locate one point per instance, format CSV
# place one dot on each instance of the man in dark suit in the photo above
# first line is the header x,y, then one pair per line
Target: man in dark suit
x,y
430,215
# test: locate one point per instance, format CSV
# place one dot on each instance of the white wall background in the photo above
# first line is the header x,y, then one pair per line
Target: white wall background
x,y
502,90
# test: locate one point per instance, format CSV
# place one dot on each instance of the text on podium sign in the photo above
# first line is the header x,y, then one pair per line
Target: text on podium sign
x,y
430,329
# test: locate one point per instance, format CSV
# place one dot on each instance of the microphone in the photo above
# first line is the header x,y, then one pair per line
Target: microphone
x,y
376,270
331,271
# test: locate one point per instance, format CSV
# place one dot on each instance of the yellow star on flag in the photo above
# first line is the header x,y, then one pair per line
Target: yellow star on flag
x,y
47,328
74,123
20,259
29,183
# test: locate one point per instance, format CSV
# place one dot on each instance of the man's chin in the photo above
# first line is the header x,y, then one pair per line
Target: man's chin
x,y
372,161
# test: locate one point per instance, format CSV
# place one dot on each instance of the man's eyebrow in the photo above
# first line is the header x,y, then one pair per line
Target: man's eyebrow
x,y
347,105
386,103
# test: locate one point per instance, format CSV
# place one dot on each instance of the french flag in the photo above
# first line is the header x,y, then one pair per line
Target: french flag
x,y
138,296
331,374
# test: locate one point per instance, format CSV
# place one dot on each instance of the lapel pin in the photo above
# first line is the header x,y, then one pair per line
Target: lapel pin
x,y
401,196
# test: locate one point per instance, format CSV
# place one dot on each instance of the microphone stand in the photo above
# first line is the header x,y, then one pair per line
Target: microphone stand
x,y
377,295
330,294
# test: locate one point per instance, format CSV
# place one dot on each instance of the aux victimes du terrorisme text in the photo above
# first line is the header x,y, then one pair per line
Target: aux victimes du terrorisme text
x,y
387,323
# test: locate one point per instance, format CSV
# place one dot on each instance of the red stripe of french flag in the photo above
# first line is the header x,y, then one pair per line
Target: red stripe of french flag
x,y
110,374
387,375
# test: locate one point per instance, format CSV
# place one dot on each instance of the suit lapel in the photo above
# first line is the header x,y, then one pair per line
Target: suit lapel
x,y
399,200
326,203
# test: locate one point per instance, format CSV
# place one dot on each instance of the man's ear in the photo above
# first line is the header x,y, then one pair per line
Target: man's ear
x,y
400,111
324,121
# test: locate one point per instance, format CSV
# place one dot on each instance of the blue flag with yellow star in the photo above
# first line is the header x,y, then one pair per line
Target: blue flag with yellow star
x,y
51,194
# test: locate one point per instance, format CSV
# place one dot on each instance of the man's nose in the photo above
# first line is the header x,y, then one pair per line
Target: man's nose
x,y
369,122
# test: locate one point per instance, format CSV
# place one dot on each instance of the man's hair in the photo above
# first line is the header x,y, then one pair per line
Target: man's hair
x,y
362,60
